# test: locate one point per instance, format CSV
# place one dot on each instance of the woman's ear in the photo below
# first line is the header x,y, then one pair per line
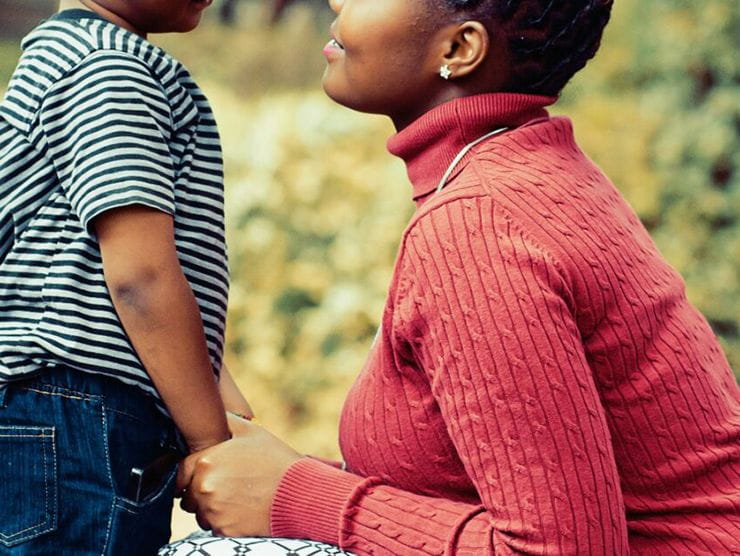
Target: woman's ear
x,y
466,48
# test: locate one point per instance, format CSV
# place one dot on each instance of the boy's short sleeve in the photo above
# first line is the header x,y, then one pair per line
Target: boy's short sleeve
x,y
107,128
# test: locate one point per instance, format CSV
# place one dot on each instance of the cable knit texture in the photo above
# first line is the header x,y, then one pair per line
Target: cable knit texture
x,y
540,383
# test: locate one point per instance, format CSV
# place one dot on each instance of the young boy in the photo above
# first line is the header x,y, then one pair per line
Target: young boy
x,y
113,280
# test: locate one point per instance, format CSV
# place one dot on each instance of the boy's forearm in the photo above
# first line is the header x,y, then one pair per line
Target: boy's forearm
x,y
162,319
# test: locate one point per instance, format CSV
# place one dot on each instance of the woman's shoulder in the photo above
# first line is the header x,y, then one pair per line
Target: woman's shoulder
x,y
534,183
471,218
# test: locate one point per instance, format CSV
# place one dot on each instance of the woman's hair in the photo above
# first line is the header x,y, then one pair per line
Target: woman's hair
x,y
549,40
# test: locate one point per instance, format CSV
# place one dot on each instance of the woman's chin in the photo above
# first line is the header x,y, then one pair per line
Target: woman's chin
x,y
341,95
332,91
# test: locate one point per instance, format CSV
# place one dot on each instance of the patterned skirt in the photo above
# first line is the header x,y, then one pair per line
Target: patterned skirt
x,y
203,544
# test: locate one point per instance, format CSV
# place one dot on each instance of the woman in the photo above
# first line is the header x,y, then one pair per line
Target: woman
x,y
540,382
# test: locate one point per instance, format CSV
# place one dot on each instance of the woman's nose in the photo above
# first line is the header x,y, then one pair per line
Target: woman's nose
x,y
336,5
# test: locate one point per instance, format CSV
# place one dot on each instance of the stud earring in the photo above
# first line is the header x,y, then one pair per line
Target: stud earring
x,y
445,72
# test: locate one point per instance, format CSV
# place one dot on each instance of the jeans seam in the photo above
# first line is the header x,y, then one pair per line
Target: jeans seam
x,y
126,414
111,513
69,394
125,509
75,395
52,521
106,450
46,485
26,436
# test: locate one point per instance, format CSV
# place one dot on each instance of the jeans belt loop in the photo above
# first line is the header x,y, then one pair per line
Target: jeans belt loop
x,y
3,395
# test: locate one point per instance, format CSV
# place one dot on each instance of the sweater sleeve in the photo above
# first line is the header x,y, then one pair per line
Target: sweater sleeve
x,y
487,320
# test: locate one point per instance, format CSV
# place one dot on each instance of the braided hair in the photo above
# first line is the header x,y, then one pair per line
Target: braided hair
x,y
548,40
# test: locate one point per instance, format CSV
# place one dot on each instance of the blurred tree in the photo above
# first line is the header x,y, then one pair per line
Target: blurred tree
x,y
315,208
689,75
278,7
228,12
667,87
18,17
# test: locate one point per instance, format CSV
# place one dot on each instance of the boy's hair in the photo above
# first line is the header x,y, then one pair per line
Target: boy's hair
x,y
549,40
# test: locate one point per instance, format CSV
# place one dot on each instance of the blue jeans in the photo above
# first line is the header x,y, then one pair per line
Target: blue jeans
x,y
68,443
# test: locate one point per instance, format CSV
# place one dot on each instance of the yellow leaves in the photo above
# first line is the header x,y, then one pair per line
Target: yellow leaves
x,y
315,209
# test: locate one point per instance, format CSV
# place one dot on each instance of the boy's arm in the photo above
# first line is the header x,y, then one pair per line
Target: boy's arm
x,y
159,312
232,397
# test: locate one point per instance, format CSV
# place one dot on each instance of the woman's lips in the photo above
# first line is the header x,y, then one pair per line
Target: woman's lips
x,y
202,4
333,49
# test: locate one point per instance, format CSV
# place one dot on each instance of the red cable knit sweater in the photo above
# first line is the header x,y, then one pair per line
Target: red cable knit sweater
x,y
540,383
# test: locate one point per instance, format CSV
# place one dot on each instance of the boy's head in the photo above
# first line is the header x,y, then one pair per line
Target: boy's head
x,y
148,16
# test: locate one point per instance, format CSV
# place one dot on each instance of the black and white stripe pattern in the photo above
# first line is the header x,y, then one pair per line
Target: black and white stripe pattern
x,y
96,118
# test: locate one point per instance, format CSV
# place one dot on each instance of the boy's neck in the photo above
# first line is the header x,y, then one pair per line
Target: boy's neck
x,y
93,6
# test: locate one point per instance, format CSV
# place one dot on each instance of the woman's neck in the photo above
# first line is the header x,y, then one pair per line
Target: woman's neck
x,y
487,81
93,6
402,121
429,144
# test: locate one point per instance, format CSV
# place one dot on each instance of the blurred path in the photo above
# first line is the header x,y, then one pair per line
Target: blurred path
x,y
182,523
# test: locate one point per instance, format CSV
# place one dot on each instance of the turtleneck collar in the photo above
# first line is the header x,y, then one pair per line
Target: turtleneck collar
x,y
430,143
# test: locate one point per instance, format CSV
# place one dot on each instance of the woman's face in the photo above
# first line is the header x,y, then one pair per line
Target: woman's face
x,y
381,57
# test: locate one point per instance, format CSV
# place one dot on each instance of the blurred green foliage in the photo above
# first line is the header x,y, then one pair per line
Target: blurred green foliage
x,y
315,209
659,109
315,205
9,52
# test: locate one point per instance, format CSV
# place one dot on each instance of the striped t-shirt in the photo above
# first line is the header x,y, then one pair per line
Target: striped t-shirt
x,y
95,118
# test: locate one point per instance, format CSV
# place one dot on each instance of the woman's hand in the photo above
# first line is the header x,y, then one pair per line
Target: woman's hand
x,y
230,487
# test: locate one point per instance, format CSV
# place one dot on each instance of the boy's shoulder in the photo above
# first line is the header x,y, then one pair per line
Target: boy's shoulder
x,y
76,43
65,40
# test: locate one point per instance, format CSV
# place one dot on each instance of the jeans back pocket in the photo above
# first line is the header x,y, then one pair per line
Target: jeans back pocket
x,y
28,484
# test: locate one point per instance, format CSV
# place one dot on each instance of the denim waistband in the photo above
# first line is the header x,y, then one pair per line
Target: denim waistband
x,y
116,395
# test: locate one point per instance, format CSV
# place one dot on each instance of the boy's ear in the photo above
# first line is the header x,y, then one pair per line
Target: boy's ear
x,y
466,48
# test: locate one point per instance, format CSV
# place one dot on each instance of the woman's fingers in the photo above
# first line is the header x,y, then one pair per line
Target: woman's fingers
x,y
203,523
185,473
188,503
195,495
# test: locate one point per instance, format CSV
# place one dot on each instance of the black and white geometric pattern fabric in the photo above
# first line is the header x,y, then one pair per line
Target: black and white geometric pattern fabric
x,y
203,544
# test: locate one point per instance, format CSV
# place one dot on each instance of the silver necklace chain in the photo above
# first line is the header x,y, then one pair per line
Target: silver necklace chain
x,y
462,153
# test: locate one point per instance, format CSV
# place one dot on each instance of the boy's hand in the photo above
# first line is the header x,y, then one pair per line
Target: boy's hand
x,y
232,397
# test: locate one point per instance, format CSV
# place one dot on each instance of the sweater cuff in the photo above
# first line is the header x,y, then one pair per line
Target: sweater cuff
x,y
310,501
334,463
